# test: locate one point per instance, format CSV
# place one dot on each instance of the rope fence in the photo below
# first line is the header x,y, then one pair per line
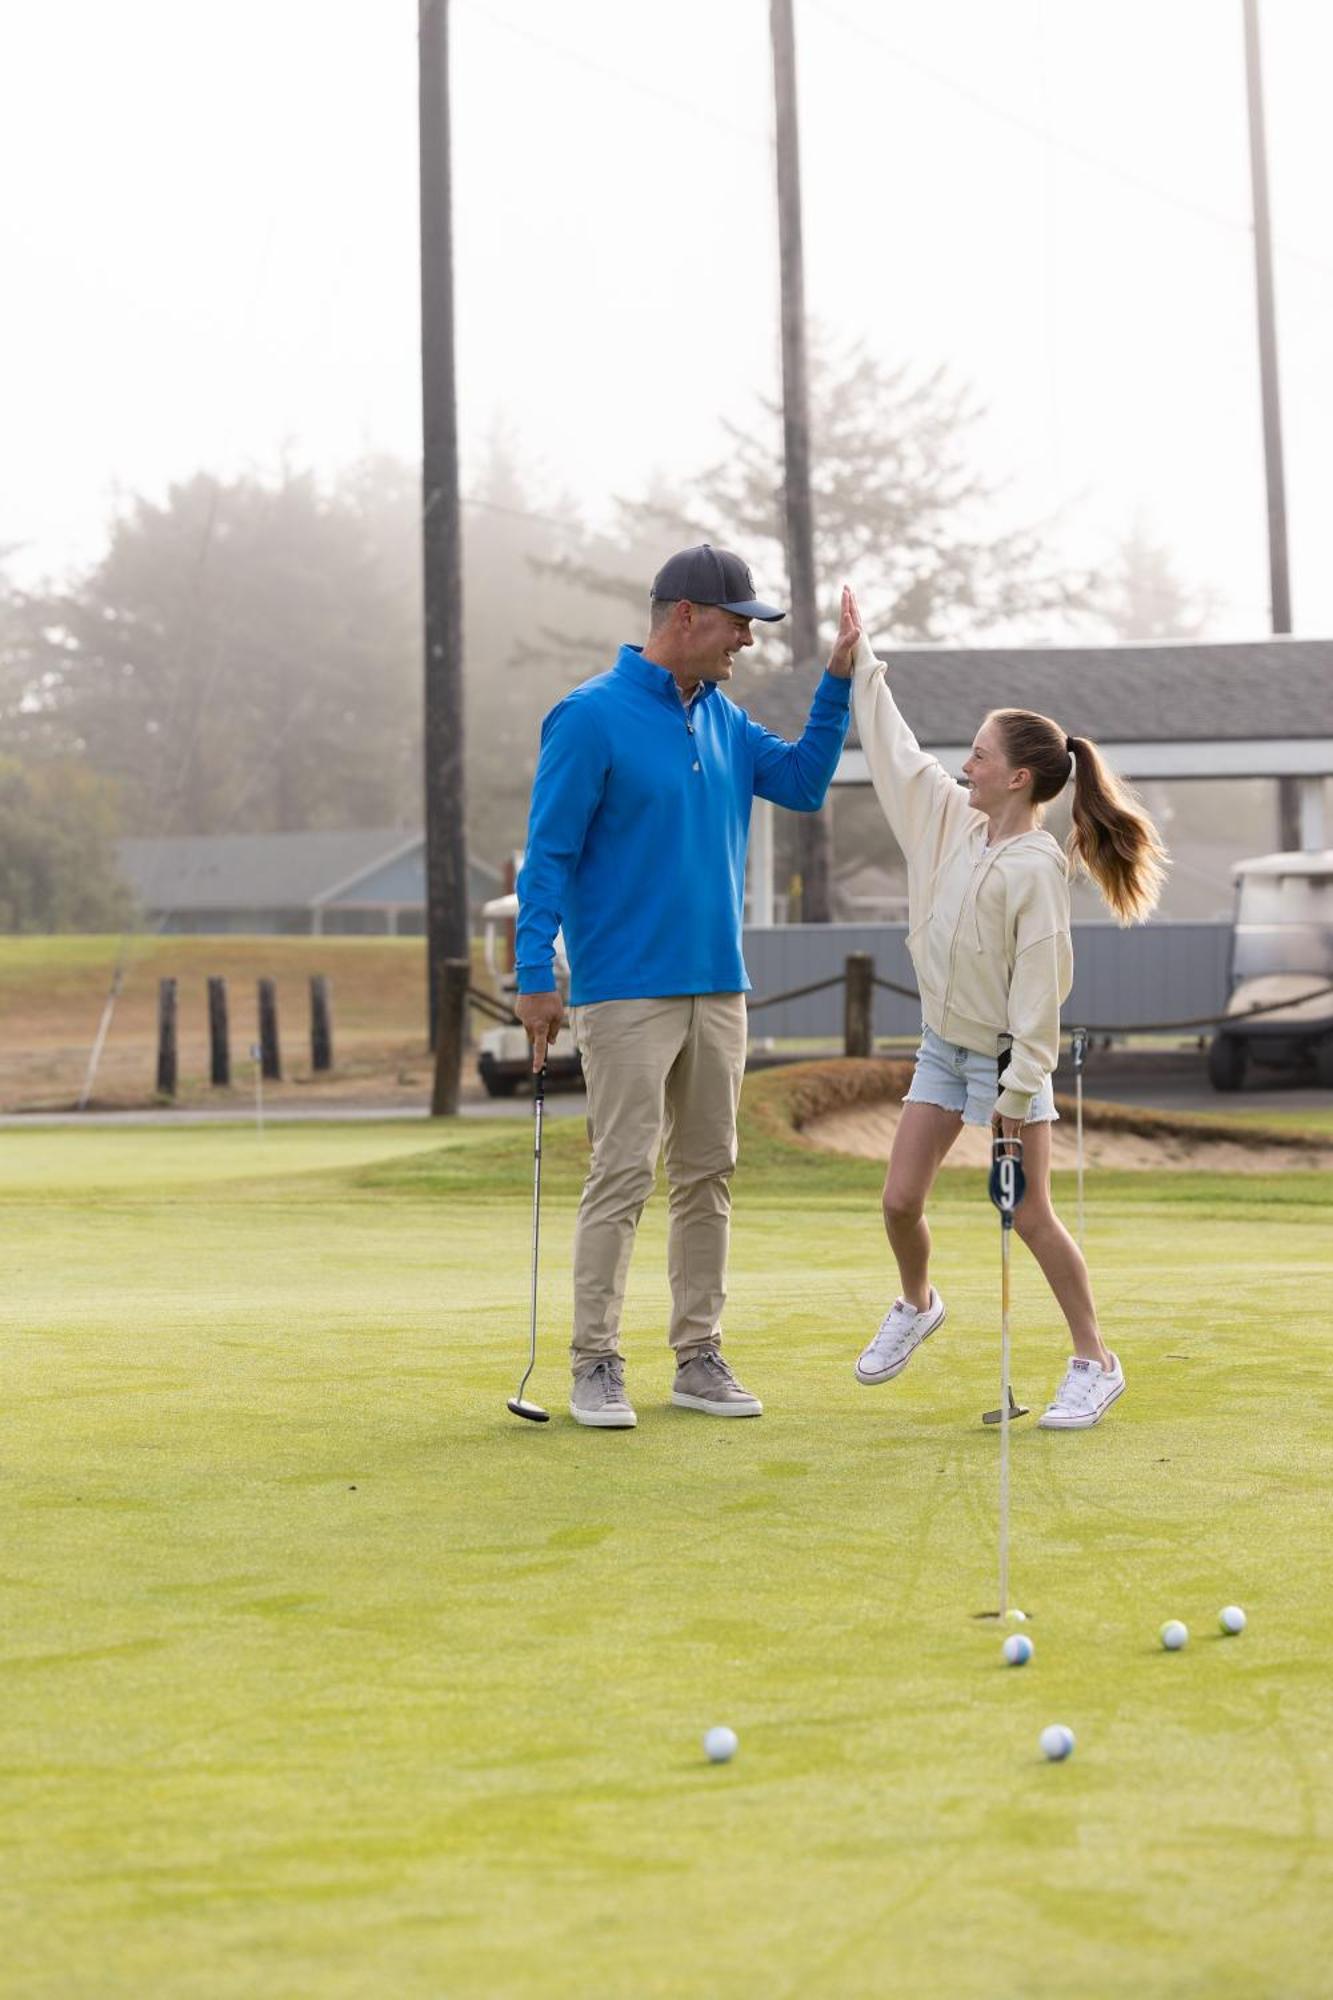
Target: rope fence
x,y
853,979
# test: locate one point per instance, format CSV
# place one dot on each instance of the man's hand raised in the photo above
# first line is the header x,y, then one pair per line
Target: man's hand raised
x,y
543,1016
849,632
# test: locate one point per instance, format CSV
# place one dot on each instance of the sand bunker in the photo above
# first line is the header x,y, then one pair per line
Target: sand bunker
x,y
867,1132
854,1106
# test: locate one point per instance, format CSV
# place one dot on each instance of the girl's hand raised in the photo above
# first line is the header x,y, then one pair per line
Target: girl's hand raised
x,y
849,633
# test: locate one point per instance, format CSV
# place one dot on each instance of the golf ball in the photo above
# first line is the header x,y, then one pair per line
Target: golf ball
x,y
1017,1649
1017,1617
721,1744
1231,1618
1174,1635
1057,1742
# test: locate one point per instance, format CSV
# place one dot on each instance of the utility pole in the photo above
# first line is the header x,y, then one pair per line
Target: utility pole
x,y
1288,790
815,829
446,839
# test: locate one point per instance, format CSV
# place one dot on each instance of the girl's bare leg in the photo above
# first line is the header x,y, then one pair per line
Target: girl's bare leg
x,y
924,1136
1054,1248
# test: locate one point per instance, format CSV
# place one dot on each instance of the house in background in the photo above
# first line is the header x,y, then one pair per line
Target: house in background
x,y
289,884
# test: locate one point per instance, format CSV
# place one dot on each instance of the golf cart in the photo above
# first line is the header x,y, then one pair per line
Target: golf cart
x,y
505,1058
1281,952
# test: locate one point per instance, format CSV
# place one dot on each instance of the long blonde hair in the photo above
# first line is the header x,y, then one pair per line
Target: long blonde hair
x,y
1112,840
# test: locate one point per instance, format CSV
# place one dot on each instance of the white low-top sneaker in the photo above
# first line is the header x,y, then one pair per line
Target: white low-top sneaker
x,y
901,1332
1084,1397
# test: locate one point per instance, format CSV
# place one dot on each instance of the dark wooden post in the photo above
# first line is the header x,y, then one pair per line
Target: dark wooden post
x,y
450,1034
1279,577
814,831
219,1048
447,926
321,1024
270,1054
510,923
166,1038
858,1035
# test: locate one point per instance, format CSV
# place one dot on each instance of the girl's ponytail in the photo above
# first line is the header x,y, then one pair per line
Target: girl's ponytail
x,y
1113,840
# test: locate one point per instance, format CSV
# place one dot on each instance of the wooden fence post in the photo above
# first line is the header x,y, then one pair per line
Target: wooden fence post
x,y
270,1054
321,1023
219,1048
451,1032
166,1038
858,1004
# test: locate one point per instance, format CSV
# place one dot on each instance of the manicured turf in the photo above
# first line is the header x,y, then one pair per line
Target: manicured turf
x,y
324,1676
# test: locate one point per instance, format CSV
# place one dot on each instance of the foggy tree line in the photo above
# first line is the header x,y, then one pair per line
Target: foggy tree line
x,y
246,654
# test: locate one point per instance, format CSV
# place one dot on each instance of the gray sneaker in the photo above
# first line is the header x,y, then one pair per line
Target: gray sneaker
x,y
598,1396
705,1382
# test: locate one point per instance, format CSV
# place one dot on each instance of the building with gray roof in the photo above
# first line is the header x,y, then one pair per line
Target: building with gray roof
x,y
1254,709
258,884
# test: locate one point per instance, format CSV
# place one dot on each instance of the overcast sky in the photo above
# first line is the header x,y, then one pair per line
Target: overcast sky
x,y
209,247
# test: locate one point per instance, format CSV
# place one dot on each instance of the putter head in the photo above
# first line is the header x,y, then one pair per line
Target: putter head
x,y
534,1412
1007,1184
1016,1409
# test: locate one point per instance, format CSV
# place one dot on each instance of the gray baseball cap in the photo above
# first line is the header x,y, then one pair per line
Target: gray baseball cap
x,y
711,576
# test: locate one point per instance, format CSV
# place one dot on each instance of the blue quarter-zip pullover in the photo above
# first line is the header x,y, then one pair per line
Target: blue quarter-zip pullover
x,y
638,828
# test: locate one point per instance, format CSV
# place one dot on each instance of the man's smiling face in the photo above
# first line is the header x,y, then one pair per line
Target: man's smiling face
x,y
716,636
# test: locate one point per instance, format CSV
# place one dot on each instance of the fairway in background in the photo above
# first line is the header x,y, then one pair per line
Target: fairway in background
x,y
53,989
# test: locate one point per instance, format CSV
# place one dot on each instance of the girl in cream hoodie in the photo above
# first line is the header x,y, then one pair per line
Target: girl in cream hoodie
x,y
988,931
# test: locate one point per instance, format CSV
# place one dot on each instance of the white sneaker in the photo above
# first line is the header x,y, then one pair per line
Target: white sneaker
x,y
1084,1397
901,1331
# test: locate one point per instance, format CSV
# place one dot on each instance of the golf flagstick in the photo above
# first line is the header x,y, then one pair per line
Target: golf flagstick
x,y
534,1412
1079,1050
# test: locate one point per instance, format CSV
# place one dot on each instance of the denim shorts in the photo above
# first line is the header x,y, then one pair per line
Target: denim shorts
x,y
959,1079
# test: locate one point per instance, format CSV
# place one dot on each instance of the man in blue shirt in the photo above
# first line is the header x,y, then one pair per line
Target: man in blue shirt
x,y
636,847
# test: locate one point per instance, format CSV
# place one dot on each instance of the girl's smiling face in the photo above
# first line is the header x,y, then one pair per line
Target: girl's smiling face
x,y
992,781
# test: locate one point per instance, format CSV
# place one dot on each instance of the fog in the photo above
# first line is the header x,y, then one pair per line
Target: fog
x,y
210,248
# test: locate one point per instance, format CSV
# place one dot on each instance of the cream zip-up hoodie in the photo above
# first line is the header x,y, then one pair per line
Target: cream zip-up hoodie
x,y
987,927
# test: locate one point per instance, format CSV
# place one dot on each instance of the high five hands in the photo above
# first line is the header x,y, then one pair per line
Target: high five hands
x,y
849,632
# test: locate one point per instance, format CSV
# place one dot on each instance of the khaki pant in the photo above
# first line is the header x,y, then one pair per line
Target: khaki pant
x,y
658,1068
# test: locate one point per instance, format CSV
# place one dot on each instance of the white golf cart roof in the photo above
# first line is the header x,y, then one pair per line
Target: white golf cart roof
x,y
1318,863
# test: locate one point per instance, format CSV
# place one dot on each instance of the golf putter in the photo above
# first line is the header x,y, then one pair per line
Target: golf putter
x,y
1013,1408
1016,1409
1078,1049
519,1404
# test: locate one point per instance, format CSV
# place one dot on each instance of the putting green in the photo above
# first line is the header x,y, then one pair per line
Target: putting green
x,y
324,1676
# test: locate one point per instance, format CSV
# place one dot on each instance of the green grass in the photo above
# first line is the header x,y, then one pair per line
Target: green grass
x,y
1320,1120
323,1676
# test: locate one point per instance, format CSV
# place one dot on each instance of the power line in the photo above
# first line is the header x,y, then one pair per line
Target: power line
x,y
526,514
1200,211
609,74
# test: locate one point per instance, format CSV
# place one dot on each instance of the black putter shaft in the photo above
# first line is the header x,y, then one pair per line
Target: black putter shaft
x,y
519,1404
1014,1407
1079,1051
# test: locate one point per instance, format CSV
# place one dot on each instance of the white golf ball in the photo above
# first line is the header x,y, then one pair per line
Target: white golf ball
x,y
1057,1742
1174,1635
721,1744
1231,1618
1017,1617
1017,1649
